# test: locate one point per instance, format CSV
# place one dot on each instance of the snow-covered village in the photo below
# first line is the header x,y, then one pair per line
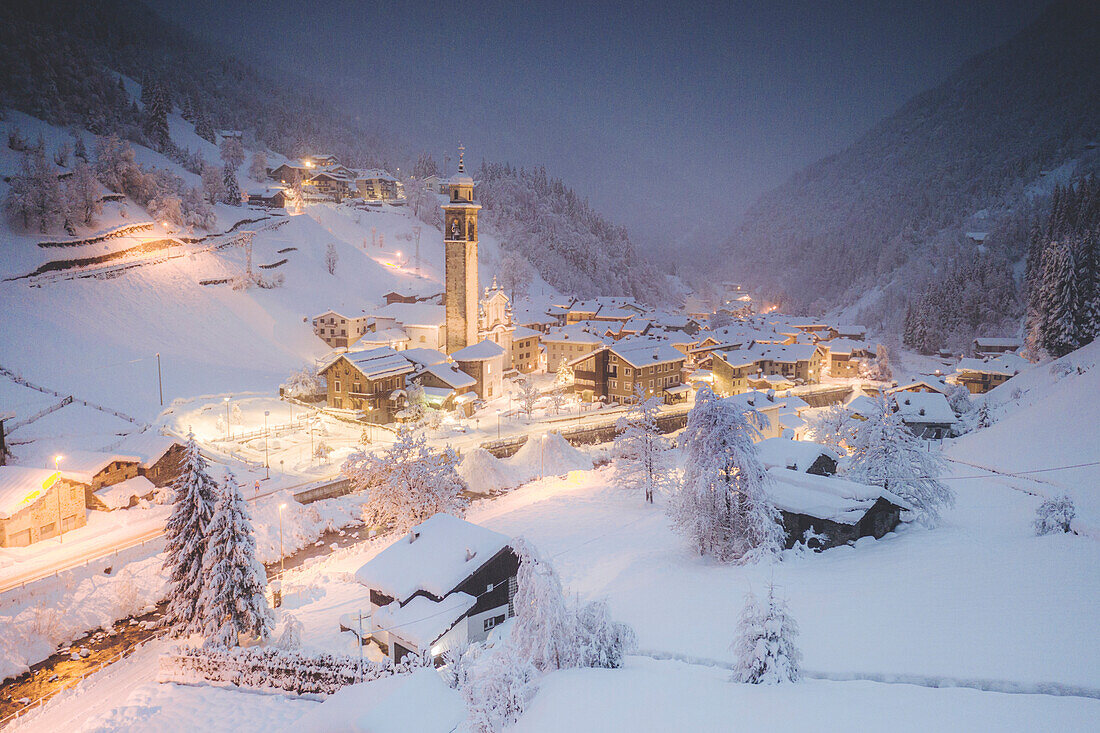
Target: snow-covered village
x,y
450,368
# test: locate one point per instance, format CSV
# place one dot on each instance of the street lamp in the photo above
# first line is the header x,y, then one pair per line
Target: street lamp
x,y
57,489
226,400
267,462
282,565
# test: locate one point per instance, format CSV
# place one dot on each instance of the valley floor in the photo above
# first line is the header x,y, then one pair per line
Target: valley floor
x,y
922,630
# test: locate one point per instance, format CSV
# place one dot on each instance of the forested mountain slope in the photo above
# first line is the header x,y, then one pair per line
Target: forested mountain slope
x,y
976,153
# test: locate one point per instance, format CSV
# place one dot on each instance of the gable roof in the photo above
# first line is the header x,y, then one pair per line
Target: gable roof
x,y
825,497
21,487
376,363
435,560
644,352
924,407
481,351
414,314
82,465
785,453
450,375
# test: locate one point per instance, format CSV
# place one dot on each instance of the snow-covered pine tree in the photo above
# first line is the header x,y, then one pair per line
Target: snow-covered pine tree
x,y
642,462
1058,301
232,600
884,452
157,106
960,400
543,630
185,540
232,187
601,641
1055,515
765,643
291,637
563,377
204,128
331,258
1086,258
721,504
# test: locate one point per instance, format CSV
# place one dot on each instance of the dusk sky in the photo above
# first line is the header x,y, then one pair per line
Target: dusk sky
x,y
660,113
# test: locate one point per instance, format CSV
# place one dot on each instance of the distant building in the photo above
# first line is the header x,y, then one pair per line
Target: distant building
x,y
985,346
269,197
569,343
36,502
926,414
981,375
338,330
611,373
525,349
424,323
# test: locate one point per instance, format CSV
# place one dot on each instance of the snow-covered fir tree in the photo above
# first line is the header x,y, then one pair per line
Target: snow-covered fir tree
x,y
1058,301
158,104
765,643
884,452
407,483
35,198
721,505
601,641
185,542
232,152
642,462
232,187
1055,515
543,631
331,258
232,600
291,636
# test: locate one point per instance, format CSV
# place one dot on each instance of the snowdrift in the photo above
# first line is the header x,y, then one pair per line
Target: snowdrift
x,y
484,473
547,455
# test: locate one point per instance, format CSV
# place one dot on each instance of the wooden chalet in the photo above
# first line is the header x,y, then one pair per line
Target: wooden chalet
x,y
371,381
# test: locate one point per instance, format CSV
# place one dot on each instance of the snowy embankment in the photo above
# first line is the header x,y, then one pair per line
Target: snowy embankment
x,y
35,620
1046,421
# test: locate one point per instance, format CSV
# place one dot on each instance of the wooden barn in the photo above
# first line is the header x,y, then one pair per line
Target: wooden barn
x,y
842,511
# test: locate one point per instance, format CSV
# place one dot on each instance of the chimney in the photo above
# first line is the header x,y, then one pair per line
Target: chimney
x,y
470,554
412,536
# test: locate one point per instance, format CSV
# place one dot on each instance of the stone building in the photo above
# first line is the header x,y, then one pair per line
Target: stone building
x,y
484,361
35,502
338,330
370,381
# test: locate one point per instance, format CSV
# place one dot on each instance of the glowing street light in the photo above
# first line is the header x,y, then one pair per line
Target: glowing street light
x,y
267,461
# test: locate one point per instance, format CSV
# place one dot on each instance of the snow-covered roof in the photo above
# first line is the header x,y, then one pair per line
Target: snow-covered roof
x,y
924,407
117,496
422,620
1005,364
150,446
435,556
20,487
379,362
933,384
861,404
998,343
385,336
847,346
481,351
424,356
572,334
798,455
787,353
451,375
523,332
643,352
82,465
414,314
825,497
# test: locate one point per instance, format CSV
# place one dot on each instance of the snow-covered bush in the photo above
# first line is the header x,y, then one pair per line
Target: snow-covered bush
x,y
832,426
602,642
303,384
721,505
408,483
498,687
1055,515
291,638
765,644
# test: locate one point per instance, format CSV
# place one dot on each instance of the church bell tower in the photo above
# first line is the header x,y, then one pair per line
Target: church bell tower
x,y
460,245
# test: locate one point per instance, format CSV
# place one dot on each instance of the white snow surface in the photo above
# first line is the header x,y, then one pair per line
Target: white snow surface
x,y
418,701
483,472
547,454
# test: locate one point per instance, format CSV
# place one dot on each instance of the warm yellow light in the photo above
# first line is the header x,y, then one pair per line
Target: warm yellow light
x,y
282,507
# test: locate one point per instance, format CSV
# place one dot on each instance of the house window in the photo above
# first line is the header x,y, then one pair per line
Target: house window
x,y
491,622
337,385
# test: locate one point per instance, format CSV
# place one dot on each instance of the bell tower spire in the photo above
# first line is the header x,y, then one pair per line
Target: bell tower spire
x,y
460,251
